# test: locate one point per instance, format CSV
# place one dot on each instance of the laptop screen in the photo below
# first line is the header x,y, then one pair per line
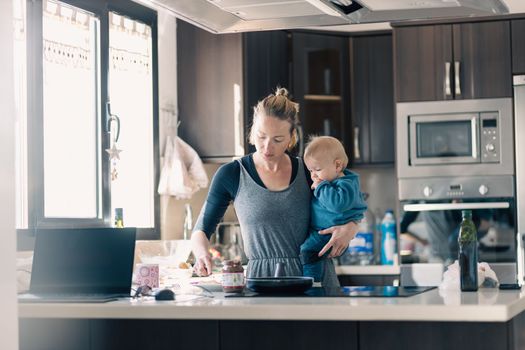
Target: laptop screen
x,y
96,260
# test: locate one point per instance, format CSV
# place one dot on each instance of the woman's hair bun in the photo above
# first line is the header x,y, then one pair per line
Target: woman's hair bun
x,y
281,92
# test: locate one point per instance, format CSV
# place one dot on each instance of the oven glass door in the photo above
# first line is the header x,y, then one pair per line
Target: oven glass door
x,y
429,230
444,139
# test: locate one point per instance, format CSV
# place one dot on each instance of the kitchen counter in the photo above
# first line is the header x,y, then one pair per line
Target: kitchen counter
x,y
487,305
488,319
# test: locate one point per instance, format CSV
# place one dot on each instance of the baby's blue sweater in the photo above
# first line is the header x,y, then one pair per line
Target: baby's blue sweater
x,y
337,202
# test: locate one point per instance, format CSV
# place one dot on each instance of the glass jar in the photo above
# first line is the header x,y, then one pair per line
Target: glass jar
x,y
232,276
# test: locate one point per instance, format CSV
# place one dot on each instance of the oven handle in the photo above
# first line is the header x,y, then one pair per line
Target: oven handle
x,y
455,206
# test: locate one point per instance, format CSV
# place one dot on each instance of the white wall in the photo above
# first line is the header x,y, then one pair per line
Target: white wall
x,y
8,320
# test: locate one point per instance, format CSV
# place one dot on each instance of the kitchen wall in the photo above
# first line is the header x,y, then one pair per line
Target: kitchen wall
x,y
380,183
172,214
8,301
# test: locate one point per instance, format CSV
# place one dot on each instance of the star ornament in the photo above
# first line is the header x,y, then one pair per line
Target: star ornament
x,y
114,152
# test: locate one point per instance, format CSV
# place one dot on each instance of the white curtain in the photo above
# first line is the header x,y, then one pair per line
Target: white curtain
x,y
131,96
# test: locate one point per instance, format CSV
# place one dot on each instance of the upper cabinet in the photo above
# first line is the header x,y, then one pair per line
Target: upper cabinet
x,y
266,65
518,46
320,84
344,86
209,84
453,61
372,100
220,78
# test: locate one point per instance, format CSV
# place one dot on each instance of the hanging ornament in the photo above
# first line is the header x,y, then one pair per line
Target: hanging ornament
x,y
114,174
114,152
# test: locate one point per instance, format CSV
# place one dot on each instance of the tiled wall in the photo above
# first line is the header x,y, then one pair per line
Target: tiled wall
x,y
381,185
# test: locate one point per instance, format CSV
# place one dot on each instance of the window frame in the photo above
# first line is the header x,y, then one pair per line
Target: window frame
x,y
35,156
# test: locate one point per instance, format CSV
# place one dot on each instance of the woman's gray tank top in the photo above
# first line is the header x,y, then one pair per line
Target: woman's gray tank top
x,y
274,224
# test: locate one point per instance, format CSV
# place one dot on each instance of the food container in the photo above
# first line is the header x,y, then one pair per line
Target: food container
x,y
232,276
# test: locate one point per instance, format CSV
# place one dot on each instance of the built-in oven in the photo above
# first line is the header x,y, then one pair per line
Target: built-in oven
x,y
429,225
455,138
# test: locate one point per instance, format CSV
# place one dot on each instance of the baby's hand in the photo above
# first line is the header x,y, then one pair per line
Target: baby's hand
x,y
315,183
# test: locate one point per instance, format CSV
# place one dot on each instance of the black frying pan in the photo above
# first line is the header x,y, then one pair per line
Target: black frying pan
x,y
279,283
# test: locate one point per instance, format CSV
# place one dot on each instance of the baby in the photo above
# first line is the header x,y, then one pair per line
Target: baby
x,y
337,198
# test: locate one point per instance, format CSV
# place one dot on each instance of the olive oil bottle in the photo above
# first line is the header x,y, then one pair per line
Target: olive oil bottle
x,y
468,253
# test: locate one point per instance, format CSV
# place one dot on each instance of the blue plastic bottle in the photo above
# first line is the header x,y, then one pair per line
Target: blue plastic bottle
x,y
388,238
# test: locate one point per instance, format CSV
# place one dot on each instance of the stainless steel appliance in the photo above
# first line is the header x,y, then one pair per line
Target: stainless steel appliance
x,y
437,220
519,128
454,155
455,138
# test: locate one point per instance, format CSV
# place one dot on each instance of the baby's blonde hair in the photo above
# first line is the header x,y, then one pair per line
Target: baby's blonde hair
x,y
326,146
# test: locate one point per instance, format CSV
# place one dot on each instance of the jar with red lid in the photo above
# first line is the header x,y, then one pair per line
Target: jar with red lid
x,y
232,276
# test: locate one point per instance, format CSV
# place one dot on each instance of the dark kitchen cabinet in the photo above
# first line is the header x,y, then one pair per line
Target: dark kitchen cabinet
x,y
453,61
320,84
220,79
372,100
266,61
518,46
209,85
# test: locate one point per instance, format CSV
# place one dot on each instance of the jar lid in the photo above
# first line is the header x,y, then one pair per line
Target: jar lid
x,y
231,263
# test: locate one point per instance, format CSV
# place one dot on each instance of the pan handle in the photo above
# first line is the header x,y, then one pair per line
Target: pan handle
x,y
279,270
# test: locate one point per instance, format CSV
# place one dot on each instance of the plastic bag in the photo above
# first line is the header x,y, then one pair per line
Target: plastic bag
x,y
486,277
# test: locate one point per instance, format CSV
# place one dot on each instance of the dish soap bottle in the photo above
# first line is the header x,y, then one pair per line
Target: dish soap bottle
x,y
388,238
468,253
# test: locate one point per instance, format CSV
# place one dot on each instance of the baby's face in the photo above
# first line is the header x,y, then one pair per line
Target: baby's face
x,y
322,169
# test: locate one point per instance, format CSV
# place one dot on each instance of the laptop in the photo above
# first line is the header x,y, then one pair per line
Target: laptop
x,y
81,265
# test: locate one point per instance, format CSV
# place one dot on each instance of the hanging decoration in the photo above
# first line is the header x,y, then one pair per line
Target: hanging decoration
x,y
113,151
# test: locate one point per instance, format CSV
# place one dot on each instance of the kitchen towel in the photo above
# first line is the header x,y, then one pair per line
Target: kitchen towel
x,y
182,171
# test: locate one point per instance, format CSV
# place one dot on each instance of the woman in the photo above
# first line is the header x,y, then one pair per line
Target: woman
x,y
270,191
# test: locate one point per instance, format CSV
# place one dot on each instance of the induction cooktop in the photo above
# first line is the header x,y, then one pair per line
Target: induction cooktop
x,y
354,291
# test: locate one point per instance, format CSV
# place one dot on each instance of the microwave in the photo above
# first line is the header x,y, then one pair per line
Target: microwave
x,y
455,138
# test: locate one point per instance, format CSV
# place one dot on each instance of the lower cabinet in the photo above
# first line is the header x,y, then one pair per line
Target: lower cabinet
x,y
54,334
433,335
115,334
283,335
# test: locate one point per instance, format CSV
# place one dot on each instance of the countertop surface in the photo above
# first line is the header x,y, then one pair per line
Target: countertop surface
x,y
486,305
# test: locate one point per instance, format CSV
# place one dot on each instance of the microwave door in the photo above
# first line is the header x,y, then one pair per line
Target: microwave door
x,y
444,139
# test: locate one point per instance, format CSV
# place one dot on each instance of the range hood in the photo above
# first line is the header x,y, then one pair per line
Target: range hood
x,y
229,16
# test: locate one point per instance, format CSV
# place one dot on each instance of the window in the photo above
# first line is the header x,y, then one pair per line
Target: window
x,y
89,144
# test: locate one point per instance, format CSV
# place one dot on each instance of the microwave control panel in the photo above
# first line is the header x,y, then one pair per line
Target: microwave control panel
x,y
489,138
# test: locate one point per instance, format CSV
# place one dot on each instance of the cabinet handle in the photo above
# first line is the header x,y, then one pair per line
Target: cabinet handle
x,y
447,79
357,152
457,80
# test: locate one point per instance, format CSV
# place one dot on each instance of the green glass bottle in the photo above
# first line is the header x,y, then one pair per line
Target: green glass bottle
x,y
468,253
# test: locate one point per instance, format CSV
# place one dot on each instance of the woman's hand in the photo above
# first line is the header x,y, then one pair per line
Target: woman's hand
x,y
200,246
341,237
203,266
